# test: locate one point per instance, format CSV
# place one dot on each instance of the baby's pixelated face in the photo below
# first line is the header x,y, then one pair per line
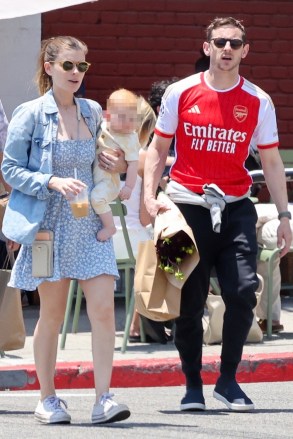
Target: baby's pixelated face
x,y
122,117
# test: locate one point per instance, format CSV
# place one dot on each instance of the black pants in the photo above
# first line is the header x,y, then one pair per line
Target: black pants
x,y
232,253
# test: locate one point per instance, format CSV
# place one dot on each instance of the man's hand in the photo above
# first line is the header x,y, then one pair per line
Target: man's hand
x,y
154,206
113,163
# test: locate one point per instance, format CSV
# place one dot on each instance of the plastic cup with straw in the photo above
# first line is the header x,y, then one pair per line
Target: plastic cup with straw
x,y
80,203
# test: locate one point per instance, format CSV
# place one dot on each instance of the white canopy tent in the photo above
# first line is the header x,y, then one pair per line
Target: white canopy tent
x,y
21,8
20,36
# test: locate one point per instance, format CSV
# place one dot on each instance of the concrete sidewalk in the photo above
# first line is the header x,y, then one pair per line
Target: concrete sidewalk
x,y
145,365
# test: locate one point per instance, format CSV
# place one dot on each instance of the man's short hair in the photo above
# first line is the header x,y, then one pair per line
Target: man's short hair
x,y
225,21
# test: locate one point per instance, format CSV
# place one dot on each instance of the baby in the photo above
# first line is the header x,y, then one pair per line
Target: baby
x,y
118,131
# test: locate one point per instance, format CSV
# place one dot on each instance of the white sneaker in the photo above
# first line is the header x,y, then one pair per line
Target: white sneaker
x,y
49,411
107,410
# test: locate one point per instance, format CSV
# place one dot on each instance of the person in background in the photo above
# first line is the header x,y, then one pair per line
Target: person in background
x,y
3,134
214,116
26,299
139,225
160,332
202,63
157,90
266,234
48,138
267,228
4,187
119,131
137,220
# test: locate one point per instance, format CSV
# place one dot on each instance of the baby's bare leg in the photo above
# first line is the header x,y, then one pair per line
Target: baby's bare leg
x,y
108,229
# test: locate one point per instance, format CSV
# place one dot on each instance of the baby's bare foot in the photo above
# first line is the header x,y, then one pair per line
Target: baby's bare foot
x,y
106,233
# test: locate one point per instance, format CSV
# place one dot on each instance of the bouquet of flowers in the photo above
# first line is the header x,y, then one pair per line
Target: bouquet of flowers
x,y
164,264
176,250
172,251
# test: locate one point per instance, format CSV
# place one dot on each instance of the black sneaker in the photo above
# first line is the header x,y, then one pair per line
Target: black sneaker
x,y
193,400
231,394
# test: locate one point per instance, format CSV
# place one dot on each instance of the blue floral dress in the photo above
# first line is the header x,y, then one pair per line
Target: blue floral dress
x,y
77,253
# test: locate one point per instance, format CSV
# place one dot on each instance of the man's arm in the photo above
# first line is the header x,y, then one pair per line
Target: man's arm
x,y
274,174
154,167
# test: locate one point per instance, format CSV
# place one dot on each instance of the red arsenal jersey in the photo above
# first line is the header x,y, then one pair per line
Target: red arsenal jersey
x,y
213,130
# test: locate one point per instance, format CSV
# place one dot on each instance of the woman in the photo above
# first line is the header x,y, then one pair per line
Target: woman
x,y
139,225
137,216
138,219
48,159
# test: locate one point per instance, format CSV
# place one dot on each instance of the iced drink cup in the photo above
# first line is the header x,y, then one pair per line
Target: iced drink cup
x,y
80,204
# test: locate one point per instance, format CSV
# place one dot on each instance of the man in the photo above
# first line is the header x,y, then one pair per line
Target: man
x,y
214,116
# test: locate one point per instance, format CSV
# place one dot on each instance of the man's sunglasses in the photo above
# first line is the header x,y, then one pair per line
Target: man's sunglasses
x,y
81,66
221,42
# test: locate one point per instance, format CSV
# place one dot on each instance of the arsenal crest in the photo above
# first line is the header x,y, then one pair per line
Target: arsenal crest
x,y
240,113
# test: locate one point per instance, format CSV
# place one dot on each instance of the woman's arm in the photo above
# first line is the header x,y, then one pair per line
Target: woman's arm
x,y
20,149
144,216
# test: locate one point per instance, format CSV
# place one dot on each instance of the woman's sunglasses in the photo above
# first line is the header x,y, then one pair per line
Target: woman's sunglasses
x,y
81,66
221,42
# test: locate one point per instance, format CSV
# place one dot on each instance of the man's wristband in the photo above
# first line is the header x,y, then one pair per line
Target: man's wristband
x,y
285,214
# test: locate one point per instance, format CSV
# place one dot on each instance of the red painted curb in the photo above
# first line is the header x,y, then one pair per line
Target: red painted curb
x,y
151,372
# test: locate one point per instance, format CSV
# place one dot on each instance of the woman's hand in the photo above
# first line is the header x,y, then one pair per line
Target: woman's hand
x,y
66,186
113,163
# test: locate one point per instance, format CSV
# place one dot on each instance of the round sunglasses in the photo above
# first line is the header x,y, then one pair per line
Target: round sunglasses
x,y
81,66
221,42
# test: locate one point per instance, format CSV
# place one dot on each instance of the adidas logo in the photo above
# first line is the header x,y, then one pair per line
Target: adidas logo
x,y
194,109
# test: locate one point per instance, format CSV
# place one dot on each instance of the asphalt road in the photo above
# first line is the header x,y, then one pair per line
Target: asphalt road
x,y
155,414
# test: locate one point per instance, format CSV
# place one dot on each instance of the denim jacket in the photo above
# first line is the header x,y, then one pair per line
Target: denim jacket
x,y
27,162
